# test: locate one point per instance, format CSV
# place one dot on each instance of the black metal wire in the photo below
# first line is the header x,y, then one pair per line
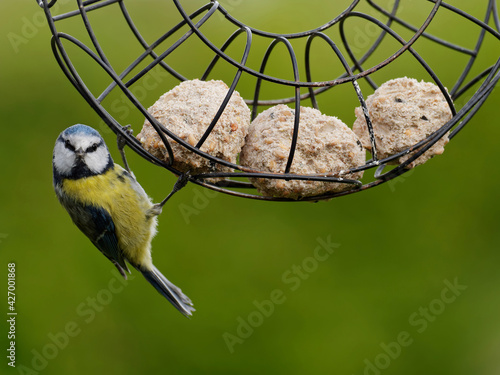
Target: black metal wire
x,y
354,71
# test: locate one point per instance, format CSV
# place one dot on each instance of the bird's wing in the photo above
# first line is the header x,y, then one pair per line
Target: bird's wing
x,y
106,240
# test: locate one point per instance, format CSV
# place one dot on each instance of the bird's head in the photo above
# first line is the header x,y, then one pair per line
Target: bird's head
x,y
80,152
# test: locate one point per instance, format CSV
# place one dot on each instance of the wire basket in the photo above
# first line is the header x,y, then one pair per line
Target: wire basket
x,y
471,86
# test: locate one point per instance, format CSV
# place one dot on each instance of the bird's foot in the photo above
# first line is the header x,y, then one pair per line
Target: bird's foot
x,y
121,142
179,184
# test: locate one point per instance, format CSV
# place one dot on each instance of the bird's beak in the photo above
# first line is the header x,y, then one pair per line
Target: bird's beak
x,y
80,153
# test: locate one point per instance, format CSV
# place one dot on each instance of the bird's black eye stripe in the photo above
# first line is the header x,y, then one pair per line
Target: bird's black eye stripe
x,y
68,145
92,148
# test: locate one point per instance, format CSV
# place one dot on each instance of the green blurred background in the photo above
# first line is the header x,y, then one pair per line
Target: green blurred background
x,y
396,248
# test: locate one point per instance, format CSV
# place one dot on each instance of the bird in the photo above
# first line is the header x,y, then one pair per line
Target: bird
x,y
110,207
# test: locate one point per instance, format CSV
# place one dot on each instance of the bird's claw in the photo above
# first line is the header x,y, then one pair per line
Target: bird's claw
x,y
120,139
181,181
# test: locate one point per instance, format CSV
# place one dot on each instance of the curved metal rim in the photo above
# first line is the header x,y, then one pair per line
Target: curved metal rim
x,y
489,78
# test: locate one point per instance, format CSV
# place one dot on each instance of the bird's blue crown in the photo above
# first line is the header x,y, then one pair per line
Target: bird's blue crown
x,y
81,129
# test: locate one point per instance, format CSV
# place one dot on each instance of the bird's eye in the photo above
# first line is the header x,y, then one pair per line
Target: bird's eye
x,y
92,148
68,145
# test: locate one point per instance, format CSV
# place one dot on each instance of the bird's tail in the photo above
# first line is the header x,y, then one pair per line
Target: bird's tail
x,y
169,291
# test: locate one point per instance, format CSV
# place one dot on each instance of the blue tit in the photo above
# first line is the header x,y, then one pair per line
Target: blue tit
x,y
110,207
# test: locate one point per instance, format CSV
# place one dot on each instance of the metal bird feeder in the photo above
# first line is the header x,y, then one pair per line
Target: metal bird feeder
x,y
471,87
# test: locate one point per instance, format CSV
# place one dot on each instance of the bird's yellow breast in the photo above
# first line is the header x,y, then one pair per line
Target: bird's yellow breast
x,y
127,203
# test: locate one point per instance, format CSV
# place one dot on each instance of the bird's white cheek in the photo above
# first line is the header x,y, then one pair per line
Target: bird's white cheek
x,y
97,161
64,159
